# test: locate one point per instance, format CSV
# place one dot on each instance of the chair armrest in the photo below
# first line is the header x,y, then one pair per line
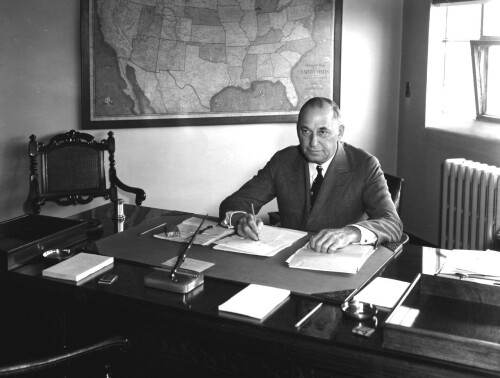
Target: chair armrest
x,y
274,218
26,367
140,195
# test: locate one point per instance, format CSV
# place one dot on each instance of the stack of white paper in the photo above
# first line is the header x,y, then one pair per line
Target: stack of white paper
x,y
78,267
382,292
272,240
479,266
255,301
344,260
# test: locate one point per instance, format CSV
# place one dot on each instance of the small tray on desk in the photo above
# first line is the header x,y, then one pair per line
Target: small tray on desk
x,y
447,319
28,236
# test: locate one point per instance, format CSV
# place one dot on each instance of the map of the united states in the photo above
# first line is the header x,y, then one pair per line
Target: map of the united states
x,y
176,57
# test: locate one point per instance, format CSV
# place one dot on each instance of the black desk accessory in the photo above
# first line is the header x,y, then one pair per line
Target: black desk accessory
x,y
175,281
58,254
28,236
359,310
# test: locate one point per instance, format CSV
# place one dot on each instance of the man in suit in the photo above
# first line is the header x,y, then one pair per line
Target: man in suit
x,y
345,200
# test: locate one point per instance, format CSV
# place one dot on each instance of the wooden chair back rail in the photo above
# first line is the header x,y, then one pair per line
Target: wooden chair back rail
x,y
70,170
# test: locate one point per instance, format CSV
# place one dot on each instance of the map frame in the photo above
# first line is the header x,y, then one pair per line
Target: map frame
x,y
89,121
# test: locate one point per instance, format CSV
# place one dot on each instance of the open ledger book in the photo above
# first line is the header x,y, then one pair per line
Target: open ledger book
x,y
344,260
271,241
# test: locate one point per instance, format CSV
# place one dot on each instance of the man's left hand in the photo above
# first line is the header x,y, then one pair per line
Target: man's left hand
x,y
329,240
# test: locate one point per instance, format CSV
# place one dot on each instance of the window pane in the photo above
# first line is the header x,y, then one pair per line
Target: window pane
x,y
464,22
493,88
491,26
458,84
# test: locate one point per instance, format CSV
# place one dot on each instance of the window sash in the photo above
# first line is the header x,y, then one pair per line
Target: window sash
x,y
445,3
479,55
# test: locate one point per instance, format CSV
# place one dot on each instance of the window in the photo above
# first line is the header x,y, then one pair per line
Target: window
x,y
463,81
486,74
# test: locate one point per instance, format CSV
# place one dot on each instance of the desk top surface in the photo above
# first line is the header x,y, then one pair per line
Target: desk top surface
x,y
138,244
328,325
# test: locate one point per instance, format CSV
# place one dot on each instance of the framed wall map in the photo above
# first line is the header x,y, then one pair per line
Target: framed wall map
x,y
153,63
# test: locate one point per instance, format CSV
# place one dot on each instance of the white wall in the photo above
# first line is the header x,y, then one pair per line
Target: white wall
x,y
184,168
371,54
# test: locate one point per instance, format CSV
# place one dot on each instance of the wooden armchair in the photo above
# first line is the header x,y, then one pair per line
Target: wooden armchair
x,y
72,171
395,185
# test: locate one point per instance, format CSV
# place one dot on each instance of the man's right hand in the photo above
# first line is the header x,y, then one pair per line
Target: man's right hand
x,y
249,227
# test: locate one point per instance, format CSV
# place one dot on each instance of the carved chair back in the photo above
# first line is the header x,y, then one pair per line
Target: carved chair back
x,y
71,170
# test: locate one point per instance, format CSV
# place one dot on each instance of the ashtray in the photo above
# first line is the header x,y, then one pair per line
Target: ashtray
x,y
359,310
57,254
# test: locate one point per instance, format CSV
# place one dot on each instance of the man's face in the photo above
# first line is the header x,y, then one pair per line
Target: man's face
x,y
318,133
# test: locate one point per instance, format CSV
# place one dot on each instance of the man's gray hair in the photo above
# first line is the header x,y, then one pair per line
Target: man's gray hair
x,y
320,102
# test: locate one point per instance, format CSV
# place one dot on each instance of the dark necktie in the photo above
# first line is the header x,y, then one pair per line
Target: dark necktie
x,y
316,184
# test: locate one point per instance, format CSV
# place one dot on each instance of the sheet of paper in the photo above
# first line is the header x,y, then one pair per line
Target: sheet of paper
x,y
467,262
383,292
255,301
272,240
190,264
345,260
209,233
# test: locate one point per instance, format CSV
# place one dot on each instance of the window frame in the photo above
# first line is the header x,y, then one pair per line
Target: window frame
x,y
479,56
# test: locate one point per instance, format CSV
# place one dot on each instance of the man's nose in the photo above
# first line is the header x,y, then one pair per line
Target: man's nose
x,y
313,140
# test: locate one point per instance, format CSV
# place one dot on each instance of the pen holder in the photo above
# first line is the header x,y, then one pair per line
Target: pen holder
x,y
118,215
184,282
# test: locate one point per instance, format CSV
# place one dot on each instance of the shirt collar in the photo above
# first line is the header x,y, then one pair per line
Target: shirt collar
x,y
325,165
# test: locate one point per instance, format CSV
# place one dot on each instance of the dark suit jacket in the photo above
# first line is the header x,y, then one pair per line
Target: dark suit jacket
x,y
354,191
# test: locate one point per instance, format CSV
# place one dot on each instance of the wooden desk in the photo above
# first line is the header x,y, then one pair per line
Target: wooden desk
x,y
183,335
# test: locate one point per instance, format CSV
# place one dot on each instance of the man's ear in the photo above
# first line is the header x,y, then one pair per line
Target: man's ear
x,y
341,130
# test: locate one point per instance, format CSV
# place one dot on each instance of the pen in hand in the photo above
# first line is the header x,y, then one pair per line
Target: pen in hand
x,y
255,221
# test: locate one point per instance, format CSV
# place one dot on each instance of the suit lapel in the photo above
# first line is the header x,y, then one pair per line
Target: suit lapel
x,y
297,178
336,179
